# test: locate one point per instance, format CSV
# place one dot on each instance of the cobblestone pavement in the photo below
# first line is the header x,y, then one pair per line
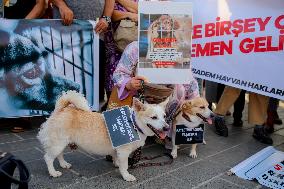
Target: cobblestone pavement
x,y
208,170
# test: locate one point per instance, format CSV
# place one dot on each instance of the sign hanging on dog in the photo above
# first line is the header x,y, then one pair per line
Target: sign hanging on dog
x,y
120,126
185,135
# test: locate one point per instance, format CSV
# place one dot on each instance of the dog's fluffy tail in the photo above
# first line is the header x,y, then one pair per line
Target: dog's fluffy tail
x,y
72,97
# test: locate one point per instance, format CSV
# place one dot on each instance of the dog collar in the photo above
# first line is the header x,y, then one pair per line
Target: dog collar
x,y
148,125
134,122
186,117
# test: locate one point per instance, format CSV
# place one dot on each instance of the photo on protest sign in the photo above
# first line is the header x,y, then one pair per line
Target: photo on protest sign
x,y
240,44
39,59
165,41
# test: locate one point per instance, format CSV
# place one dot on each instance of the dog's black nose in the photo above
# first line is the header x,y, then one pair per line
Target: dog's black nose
x,y
212,115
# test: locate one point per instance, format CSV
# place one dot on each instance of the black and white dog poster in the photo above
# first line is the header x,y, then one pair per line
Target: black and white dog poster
x,y
185,135
120,126
39,59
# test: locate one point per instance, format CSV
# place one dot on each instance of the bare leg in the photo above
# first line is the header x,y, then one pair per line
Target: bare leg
x,y
193,153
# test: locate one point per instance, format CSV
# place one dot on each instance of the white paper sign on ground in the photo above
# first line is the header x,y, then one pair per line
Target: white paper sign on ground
x,y
266,166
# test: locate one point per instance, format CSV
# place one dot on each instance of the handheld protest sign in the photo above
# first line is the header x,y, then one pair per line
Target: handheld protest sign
x,y
120,126
185,135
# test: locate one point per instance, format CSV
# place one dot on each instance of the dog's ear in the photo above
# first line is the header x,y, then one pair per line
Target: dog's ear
x,y
164,103
186,105
137,105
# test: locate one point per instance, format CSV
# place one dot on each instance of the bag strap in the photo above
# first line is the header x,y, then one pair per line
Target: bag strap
x,y
24,174
23,170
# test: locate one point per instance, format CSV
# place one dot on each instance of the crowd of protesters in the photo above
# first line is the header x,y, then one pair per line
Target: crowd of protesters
x,y
116,65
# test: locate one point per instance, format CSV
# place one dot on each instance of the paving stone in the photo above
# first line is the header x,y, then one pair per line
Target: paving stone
x,y
4,138
167,182
40,178
28,155
86,166
19,145
238,154
28,134
280,147
198,172
240,181
219,183
105,181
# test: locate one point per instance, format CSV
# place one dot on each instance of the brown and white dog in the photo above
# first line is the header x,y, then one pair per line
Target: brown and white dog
x,y
191,114
73,122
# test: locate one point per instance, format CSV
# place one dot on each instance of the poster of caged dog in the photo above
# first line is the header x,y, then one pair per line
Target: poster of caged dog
x,y
39,59
165,41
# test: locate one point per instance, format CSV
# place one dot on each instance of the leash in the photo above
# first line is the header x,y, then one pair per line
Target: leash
x,y
137,154
141,95
133,162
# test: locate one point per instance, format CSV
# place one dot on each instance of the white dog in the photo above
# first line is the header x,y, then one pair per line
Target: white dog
x,y
73,122
192,113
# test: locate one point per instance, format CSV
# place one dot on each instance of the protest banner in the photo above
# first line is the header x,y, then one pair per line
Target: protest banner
x,y
164,41
39,59
120,126
240,44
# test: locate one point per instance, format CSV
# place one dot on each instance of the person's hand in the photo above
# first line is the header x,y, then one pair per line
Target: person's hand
x,y
66,15
134,84
133,16
101,26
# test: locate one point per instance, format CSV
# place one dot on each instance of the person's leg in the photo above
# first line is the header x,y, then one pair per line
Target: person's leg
x,y
238,109
257,113
220,90
227,99
273,106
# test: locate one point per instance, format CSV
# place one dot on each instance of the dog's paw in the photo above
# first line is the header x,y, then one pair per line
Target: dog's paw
x,y
115,164
55,174
193,154
204,142
65,165
129,178
174,154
